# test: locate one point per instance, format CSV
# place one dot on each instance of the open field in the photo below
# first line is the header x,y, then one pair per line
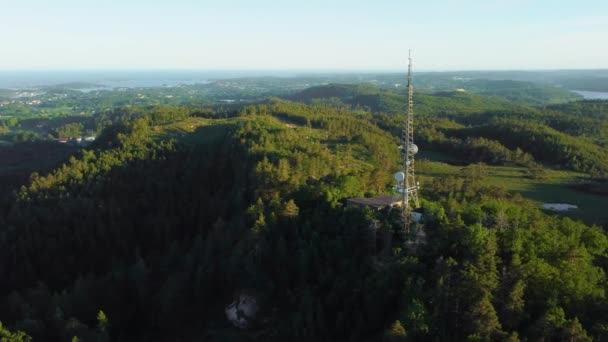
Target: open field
x,y
553,189
197,130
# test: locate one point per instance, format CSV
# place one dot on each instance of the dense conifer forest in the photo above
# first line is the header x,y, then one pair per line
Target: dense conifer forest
x,y
176,210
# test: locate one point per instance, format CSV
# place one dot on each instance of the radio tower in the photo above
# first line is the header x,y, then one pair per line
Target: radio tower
x,y
407,186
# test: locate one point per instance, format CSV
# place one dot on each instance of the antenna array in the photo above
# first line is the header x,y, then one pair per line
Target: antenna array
x,y
407,186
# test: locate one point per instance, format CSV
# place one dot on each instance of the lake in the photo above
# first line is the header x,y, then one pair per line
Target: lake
x,y
592,95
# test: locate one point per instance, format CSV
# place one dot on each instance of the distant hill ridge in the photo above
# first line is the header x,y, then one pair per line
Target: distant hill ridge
x,y
389,101
524,93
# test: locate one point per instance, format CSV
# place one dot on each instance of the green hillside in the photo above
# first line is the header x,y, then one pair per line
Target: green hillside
x,y
156,228
381,100
464,96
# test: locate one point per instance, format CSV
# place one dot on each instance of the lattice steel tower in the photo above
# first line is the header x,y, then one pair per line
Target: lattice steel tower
x,y
407,186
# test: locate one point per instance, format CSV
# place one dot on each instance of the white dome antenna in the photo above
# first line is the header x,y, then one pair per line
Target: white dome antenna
x,y
399,176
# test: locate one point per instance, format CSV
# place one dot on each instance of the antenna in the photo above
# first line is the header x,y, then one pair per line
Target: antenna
x,y
407,186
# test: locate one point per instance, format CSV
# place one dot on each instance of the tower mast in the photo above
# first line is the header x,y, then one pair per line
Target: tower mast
x,y
406,182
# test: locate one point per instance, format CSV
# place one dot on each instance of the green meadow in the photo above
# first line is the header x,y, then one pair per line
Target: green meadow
x,y
555,187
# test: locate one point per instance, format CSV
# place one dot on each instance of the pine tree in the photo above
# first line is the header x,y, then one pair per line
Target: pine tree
x,y
102,321
573,331
483,318
290,209
396,333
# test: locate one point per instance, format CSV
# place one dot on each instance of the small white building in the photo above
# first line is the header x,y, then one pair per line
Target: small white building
x,y
375,203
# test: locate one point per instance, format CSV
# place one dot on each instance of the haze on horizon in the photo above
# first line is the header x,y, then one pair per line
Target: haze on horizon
x,y
314,35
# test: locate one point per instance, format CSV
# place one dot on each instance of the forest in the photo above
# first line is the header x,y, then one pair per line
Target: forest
x,y
176,210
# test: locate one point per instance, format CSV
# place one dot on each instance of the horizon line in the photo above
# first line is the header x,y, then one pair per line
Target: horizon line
x,y
295,70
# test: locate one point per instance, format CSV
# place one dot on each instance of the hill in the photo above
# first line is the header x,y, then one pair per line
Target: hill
x,y
171,217
386,101
20,160
584,109
525,92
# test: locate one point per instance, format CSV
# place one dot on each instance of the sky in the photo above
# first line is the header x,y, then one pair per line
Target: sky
x,y
315,35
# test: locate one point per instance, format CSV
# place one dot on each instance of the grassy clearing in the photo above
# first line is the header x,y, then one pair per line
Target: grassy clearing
x,y
438,157
553,189
181,128
196,130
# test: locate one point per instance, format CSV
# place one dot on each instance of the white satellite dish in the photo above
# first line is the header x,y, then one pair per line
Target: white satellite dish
x,y
399,176
413,149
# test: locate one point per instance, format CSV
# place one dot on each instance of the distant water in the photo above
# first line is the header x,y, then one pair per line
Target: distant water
x,y
592,95
118,79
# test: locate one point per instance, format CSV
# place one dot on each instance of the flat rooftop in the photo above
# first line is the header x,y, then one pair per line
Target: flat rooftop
x,y
374,202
